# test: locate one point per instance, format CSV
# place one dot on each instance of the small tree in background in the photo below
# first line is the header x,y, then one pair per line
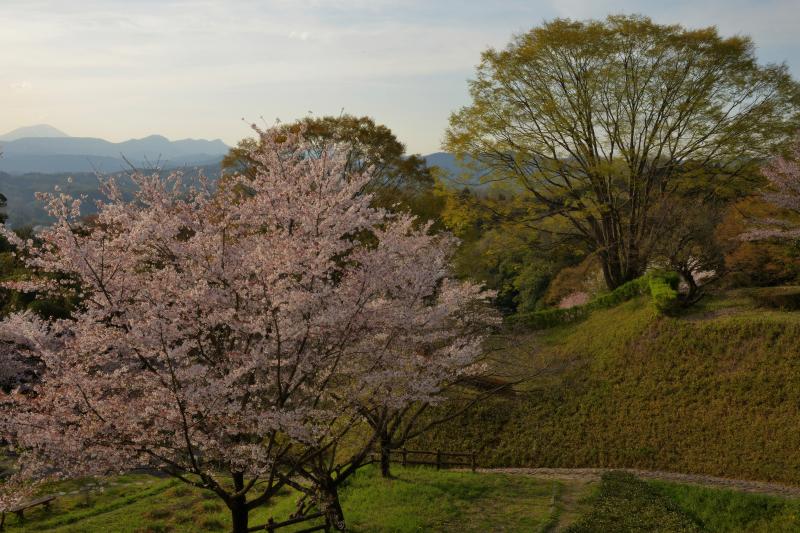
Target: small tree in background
x,y
225,338
395,406
398,181
783,176
754,262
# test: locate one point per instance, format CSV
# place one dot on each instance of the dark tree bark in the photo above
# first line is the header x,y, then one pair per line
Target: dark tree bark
x,y
386,449
331,505
238,506
239,515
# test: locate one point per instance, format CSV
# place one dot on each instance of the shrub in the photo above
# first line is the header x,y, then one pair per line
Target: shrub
x,y
665,297
664,291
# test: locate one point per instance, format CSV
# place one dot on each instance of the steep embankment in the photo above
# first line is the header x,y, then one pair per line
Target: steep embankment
x,y
714,392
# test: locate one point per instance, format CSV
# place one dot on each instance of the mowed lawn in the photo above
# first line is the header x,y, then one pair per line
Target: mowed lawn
x,y
419,499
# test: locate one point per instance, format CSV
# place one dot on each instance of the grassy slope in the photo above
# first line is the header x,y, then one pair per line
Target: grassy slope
x,y
715,392
727,511
427,500
419,500
624,504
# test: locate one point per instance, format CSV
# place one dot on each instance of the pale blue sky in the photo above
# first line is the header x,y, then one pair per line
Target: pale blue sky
x,y
119,69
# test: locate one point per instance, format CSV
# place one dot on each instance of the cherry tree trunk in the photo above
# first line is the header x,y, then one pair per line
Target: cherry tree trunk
x,y
239,515
333,508
385,458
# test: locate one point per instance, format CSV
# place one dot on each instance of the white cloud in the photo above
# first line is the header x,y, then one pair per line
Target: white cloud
x,y
20,86
192,68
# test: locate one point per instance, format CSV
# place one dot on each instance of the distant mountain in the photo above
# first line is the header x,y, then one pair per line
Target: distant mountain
x,y
24,209
88,154
39,164
453,173
39,130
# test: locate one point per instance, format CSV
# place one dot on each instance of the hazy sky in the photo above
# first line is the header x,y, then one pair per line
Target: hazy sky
x,y
119,69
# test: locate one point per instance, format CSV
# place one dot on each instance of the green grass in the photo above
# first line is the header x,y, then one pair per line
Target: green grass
x,y
417,500
728,511
427,500
715,390
423,499
133,503
623,504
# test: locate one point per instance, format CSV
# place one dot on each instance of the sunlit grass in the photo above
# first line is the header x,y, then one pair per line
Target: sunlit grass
x,y
418,499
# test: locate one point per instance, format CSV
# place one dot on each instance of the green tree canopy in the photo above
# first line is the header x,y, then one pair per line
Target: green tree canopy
x,y
598,121
400,180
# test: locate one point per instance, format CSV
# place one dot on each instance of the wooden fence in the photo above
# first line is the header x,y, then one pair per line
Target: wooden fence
x,y
271,526
437,458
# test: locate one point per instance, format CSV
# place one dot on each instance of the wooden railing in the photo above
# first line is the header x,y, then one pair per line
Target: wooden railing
x,y
271,526
438,458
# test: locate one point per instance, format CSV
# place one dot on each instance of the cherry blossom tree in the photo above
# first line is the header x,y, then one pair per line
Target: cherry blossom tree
x,y
19,368
438,363
783,175
230,337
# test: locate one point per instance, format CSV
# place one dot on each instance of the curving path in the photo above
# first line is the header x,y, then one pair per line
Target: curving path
x,y
594,474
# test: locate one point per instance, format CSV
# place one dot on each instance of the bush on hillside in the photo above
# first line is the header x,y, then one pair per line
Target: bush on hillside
x,y
664,291
662,286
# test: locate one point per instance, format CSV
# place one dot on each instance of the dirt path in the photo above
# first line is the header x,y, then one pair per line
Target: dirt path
x,y
588,475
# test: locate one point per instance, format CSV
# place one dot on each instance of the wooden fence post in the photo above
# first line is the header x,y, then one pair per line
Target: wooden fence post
x,y
270,523
404,452
472,460
438,459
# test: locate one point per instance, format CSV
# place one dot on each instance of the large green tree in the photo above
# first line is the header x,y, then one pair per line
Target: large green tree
x,y
400,181
598,122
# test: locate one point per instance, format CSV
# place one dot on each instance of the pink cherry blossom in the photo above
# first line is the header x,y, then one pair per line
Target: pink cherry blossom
x,y
783,174
232,336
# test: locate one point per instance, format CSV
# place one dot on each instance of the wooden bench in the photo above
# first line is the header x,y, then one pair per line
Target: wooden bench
x,y
19,510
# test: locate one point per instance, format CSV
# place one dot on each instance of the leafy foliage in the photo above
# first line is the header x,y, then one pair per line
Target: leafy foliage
x,y
501,252
598,121
783,174
662,287
664,291
398,181
755,262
